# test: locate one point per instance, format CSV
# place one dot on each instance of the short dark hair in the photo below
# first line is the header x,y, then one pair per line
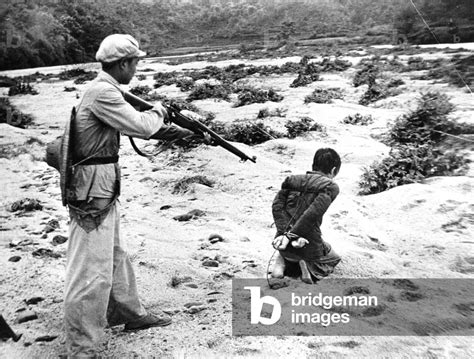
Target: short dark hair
x,y
325,159
109,65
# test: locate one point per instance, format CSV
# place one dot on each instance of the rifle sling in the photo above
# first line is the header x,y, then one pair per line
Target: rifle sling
x,y
137,150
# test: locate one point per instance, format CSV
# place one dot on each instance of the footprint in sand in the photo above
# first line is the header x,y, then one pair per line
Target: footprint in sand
x,y
405,284
411,296
356,290
465,309
463,265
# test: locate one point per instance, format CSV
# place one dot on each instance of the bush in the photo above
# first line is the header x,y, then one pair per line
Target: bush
x,y
328,65
265,112
77,73
358,119
184,83
303,80
21,88
9,114
374,93
422,125
410,164
321,95
252,95
303,125
248,132
416,152
366,75
207,90
140,90
164,79
141,77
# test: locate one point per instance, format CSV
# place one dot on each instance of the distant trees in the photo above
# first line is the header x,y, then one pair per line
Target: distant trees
x,y
63,32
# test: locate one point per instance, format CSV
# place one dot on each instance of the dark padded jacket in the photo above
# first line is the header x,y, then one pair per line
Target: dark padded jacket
x,y
299,208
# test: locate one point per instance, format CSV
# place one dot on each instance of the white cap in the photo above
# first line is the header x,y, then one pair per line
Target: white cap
x,y
118,46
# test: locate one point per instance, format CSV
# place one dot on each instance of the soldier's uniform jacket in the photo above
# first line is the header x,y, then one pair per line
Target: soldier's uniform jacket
x,y
299,207
101,116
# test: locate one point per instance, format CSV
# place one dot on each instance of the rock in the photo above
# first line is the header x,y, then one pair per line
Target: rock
x,y
165,207
210,263
215,292
244,239
193,304
44,236
34,300
277,283
212,300
44,253
145,179
46,338
26,316
191,285
57,240
214,238
221,259
26,205
195,309
195,213
14,259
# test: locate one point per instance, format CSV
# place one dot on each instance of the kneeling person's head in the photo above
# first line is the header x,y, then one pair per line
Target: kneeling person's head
x,y
327,161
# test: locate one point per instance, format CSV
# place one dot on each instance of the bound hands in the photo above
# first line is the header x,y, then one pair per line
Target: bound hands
x,y
281,242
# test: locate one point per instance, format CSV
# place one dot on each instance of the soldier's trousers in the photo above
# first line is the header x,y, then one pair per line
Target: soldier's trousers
x,y
100,285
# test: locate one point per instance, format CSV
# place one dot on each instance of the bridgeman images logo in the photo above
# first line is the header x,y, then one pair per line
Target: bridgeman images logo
x,y
256,307
353,307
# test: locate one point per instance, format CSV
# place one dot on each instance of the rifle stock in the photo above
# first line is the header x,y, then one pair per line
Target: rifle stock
x,y
191,124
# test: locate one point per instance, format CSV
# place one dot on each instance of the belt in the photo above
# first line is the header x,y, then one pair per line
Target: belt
x,y
98,161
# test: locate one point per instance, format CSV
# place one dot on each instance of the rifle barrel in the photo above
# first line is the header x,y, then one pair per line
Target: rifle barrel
x,y
189,123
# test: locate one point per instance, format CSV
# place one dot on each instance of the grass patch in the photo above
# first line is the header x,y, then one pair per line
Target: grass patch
x,y
358,119
302,126
320,95
207,90
22,88
251,95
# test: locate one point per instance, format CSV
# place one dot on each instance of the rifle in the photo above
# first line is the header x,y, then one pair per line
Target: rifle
x,y
183,121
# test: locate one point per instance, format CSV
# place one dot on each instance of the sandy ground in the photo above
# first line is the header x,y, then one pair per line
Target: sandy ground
x,y
416,231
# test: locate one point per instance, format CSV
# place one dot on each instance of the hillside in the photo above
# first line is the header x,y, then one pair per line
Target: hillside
x,y
44,33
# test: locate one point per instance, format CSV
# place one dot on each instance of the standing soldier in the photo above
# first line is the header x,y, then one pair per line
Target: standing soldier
x,y
100,283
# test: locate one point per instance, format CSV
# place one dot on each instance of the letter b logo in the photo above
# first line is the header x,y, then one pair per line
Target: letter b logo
x,y
256,306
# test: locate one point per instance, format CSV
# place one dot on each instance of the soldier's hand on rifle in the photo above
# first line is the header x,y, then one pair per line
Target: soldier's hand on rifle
x,y
160,110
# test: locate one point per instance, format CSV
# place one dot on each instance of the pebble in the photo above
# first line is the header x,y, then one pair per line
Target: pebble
x,y
57,240
193,304
43,253
34,300
195,309
48,229
191,285
210,263
195,213
212,300
26,316
214,238
14,259
46,338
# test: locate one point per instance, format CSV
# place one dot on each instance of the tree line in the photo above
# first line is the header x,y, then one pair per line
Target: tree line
x,y
54,32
